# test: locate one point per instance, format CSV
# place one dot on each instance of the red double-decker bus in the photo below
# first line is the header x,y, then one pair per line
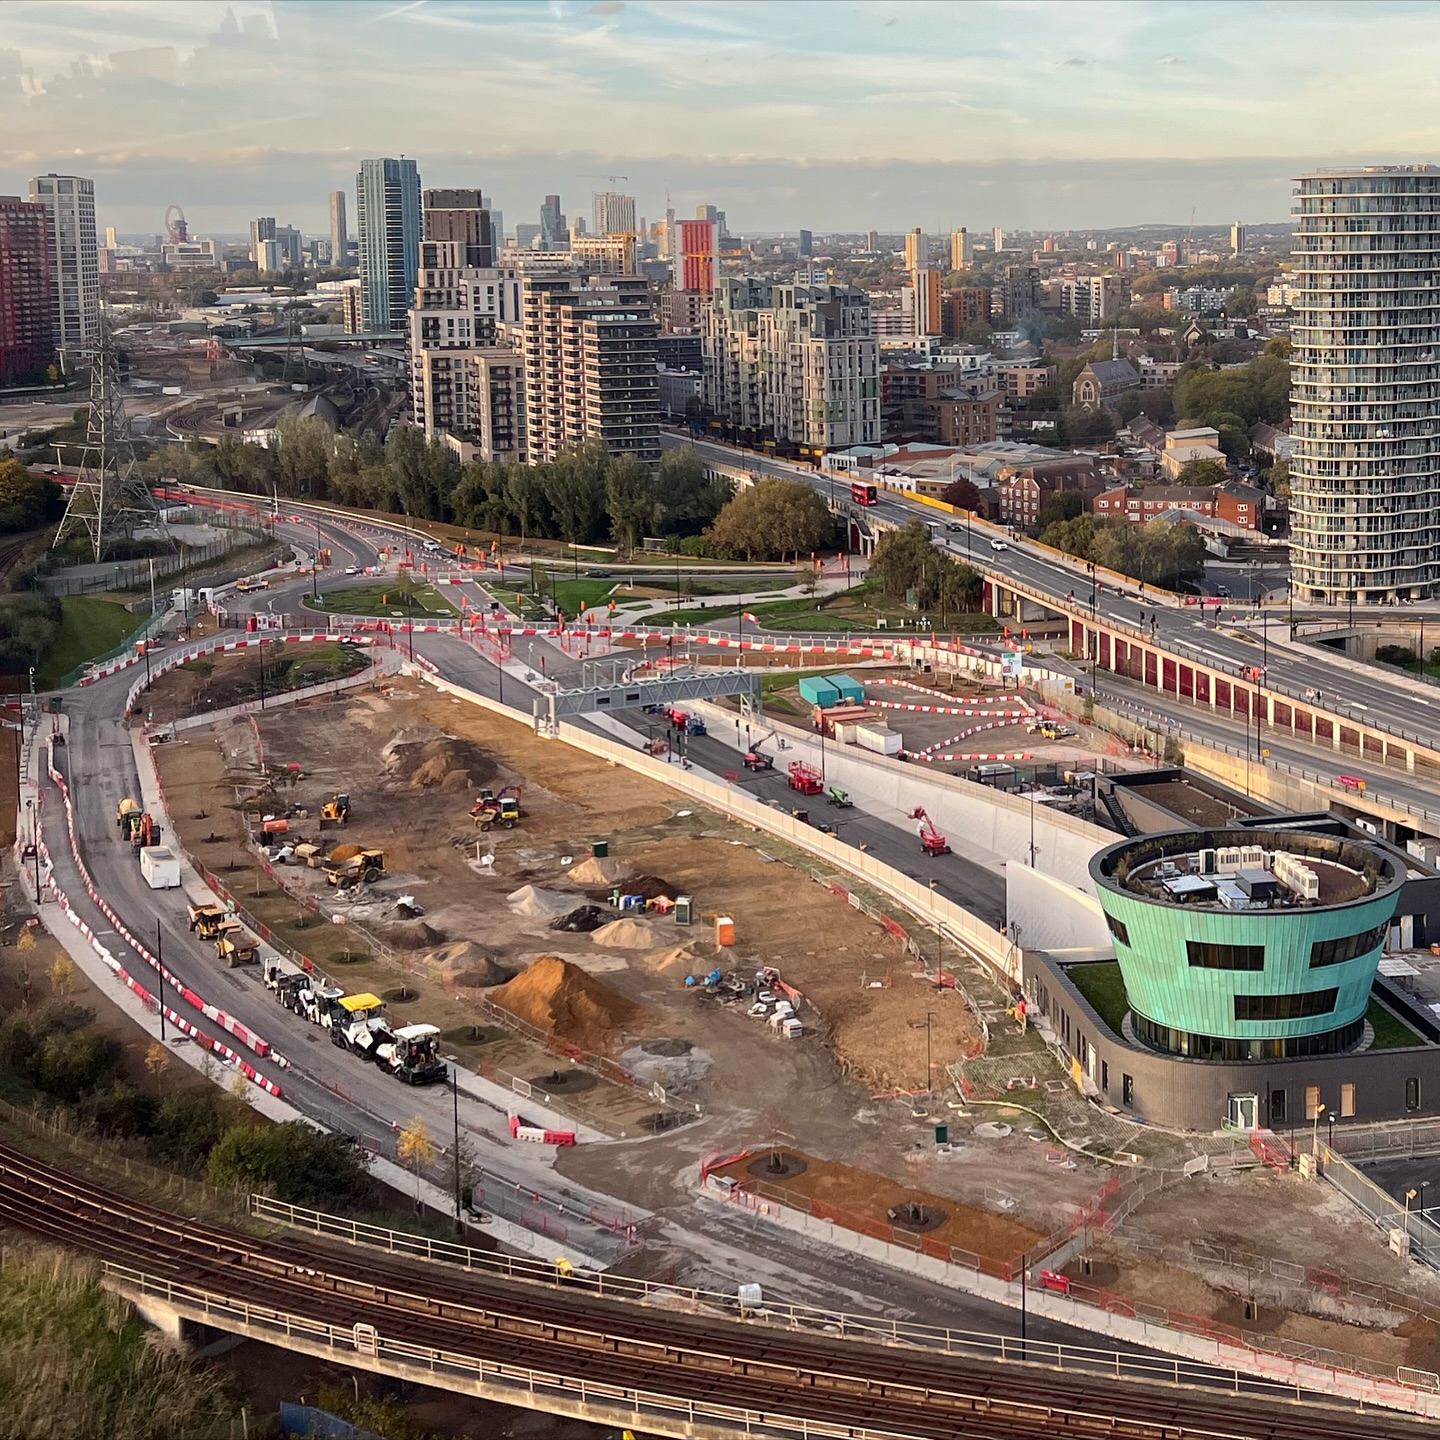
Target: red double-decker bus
x,y
862,493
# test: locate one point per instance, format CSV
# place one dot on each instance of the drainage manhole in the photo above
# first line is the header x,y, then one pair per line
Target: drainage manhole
x,y
564,1082
669,1049
776,1165
917,1218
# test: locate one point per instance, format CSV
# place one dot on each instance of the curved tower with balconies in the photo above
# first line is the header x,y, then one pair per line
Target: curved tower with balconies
x,y
1365,474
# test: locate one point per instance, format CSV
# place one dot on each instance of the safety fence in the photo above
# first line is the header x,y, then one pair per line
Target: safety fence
x,y
1246,1349
191,997
1389,1213
1317,1281
136,575
1387,1142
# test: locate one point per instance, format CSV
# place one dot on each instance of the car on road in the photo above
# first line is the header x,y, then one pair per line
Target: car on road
x,y
352,569
953,525
597,574
1223,591
998,545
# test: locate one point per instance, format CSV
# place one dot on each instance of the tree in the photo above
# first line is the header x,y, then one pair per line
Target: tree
x,y
1078,423
631,501
62,975
963,494
303,450
1203,472
1157,405
157,1061
1128,405
690,498
978,333
292,1162
1075,537
574,484
772,519
523,497
416,1149
1062,505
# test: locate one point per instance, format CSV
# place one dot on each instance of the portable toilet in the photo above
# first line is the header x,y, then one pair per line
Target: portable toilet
x,y
724,931
684,910
817,690
852,692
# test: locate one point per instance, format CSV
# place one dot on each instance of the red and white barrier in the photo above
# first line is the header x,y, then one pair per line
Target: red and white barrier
x,y
213,1013
538,1135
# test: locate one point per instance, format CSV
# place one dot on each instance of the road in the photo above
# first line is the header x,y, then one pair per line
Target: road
x,y
1382,699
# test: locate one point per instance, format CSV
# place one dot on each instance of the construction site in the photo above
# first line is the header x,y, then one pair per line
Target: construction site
x,y
685,988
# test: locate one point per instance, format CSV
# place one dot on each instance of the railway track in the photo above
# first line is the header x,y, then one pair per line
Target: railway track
x,y
722,1365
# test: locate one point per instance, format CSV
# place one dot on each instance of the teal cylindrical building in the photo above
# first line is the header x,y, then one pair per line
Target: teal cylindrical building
x,y
1247,945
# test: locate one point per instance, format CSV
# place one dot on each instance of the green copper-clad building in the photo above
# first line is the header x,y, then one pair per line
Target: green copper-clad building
x,y
1239,946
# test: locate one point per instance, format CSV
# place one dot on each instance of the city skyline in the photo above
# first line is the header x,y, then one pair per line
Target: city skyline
x,y
1027,116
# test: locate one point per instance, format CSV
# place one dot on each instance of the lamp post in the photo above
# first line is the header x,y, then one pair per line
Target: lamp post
x,y
1330,1121
1315,1133
455,1101
1409,1196
160,976
929,1016
35,846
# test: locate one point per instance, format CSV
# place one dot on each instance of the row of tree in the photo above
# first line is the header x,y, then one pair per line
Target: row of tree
x,y
910,566
1158,553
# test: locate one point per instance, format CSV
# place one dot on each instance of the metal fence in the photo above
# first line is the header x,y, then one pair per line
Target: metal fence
x,y
1390,1214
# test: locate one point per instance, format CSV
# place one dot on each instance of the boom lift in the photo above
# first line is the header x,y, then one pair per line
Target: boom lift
x,y
932,842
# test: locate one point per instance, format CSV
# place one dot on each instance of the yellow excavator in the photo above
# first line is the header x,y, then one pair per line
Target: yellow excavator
x,y
335,811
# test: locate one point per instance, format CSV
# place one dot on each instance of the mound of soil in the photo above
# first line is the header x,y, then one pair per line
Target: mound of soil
x,y
461,958
537,904
651,887
561,998
444,762
483,976
625,934
581,921
410,935
592,871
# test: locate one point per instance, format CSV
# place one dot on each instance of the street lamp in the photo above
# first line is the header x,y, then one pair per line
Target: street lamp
x,y
35,846
1315,1135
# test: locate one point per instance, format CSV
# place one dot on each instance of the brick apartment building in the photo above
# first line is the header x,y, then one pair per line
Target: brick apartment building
x,y
1240,504
1024,489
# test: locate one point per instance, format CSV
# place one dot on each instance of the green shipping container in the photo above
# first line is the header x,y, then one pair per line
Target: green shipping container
x,y
817,690
852,692
600,849
942,1134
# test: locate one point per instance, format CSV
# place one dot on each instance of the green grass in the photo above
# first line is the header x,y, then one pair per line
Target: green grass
x,y
845,611
573,596
1102,986
382,601
1391,1032
88,627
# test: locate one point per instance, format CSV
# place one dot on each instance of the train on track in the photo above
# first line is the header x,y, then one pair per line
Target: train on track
x,y
357,1023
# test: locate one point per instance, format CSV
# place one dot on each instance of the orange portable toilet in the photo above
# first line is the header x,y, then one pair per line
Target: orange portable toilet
x,y
724,931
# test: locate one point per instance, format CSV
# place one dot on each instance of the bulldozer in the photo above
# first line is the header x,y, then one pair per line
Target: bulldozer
x,y
234,946
364,865
335,811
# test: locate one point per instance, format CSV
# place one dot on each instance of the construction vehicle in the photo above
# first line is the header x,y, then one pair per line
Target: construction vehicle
x,y
145,831
932,842
234,945
335,811
123,812
754,760
207,920
350,870
686,722
412,1055
834,795
490,809
804,778
357,1023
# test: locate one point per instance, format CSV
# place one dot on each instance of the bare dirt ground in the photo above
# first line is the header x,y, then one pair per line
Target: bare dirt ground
x,y
215,682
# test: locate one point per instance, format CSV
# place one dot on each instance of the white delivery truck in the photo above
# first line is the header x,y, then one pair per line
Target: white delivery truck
x,y
160,866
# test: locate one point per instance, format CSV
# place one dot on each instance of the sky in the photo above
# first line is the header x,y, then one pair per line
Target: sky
x,y
822,114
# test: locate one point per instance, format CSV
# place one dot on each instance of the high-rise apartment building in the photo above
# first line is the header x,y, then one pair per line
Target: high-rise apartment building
x,y
292,247
590,365
872,242
462,217
806,245
715,217
1015,293
74,256
614,213
1365,471
553,233
1237,239
604,254
1093,298
960,254
27,294
962,308
387,208
339,236
914,249
261,230
794,362
928,310
997,239
697,256
467,381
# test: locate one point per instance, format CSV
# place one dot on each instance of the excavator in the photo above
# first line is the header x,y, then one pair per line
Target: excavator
x,y
335,811
491,809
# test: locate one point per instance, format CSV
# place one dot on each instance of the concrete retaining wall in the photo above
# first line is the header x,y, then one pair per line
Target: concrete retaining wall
x,y
1044,913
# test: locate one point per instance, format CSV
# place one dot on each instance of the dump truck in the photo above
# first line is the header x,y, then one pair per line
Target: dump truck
x,y
365,865
235,945
123,812
207,920
335,811
412,1055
